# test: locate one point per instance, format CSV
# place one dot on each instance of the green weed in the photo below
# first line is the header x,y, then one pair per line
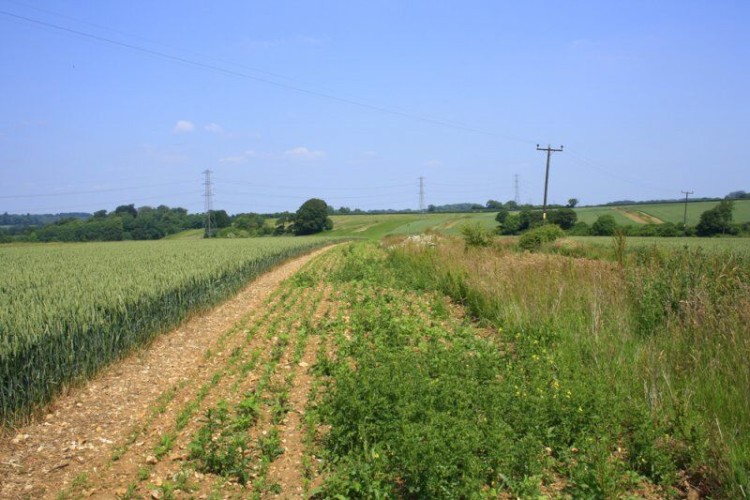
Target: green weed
x,y
600,378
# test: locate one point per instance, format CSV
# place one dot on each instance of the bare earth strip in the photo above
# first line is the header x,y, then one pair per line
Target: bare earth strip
x,y
288,469
639,217
80,430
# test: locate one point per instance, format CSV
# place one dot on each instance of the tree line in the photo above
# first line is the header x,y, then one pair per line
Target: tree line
x,y
312,217
126,222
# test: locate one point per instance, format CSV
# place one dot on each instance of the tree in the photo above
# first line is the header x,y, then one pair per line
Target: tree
x,y
127,209
529,219
717,220
572,202
252,224
312,217
605,225
737,195
221,218
564,217
510,225
494,204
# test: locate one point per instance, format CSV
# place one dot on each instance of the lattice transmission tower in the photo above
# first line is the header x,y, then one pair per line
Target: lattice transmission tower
x,y
208,195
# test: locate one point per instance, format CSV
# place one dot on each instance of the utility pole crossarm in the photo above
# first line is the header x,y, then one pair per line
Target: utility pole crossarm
x,y
549,151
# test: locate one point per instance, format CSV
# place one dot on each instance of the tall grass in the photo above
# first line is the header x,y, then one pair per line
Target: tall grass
x,y
663,341
66,310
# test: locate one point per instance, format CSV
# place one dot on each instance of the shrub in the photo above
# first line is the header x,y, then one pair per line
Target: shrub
x,y
511,224
580,229
605,225
476,235
534,239
668,230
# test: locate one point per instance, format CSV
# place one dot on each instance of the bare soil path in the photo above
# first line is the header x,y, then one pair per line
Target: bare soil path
x,y
72,444
639,217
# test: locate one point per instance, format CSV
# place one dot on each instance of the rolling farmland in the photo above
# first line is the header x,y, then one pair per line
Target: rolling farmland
x,y
559,372
376,226
665,212
506,386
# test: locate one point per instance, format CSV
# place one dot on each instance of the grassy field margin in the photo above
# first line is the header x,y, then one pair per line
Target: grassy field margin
x,y
576,376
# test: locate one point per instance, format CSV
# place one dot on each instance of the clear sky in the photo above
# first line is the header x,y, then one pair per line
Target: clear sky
x,y
108,103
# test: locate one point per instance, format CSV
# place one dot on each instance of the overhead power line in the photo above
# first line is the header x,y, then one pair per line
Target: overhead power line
x,y
268,81
93,191
257,194
96,205
309,187
586,162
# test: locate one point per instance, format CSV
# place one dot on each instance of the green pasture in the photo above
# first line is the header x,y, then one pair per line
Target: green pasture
x,y
674,212
731,245
666,212
590,214
188,234
377,226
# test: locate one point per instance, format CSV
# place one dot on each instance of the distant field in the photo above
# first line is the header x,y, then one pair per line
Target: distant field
x,y
188,234
590,214
735,245
377,226
374,227
673,212
666,212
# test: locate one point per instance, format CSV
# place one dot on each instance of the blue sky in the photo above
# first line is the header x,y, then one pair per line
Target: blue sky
x,y
108,103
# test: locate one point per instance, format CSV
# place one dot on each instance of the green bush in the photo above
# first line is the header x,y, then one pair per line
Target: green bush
x,y
476,235
534,239
605,225
580,229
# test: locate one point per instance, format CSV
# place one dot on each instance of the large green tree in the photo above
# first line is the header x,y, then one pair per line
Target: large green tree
x,y
605,225
717,220
312,217
221,218
566,218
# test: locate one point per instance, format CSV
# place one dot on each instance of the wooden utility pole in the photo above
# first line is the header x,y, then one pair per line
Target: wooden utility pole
x,y
684,215
421,194
549,151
